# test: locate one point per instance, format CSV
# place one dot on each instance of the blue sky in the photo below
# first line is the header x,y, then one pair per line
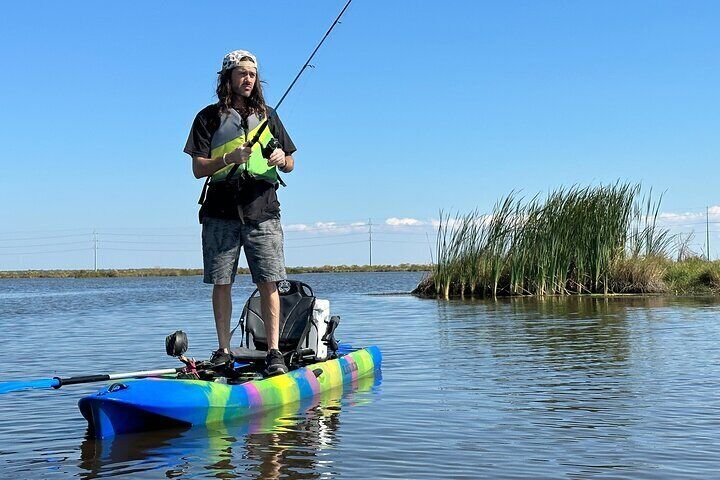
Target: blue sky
x,y
412,107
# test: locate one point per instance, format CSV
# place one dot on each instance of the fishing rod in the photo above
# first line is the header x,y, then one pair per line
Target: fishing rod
x,y
273,144
307,63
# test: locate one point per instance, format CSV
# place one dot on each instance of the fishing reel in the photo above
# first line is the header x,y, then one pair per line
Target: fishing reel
x,y
176,344
270,147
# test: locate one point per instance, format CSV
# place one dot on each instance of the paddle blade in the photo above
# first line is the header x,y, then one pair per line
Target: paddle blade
x,y
14,386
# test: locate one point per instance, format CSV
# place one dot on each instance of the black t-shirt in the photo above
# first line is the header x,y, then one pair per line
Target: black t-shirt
x,y
256,199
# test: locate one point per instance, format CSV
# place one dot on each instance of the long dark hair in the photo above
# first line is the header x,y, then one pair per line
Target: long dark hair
x,y
255,103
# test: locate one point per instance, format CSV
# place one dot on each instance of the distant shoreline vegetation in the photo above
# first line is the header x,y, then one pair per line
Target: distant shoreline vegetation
x,y
181,272
577,241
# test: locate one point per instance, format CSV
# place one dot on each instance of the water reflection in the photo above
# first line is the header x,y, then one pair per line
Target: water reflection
x,y
575,370
287,442
558,330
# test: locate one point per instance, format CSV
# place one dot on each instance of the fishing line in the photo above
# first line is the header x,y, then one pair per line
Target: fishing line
x,y
265,123
307,63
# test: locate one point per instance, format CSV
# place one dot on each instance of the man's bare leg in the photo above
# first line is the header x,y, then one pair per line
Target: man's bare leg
x,y
222,308
270,310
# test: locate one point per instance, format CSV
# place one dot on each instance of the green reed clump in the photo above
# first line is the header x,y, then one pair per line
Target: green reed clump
x,y
570,242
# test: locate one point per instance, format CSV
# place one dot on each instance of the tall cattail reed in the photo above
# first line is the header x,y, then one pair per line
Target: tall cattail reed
x,y
567,243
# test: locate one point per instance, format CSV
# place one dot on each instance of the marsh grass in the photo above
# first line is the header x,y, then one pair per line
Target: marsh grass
x,y
179,272
576,240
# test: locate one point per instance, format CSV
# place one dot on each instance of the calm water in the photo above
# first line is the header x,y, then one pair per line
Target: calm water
x,y
555,388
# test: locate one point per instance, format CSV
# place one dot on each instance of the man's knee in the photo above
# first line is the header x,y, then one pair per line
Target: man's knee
x,y
267,288
222,290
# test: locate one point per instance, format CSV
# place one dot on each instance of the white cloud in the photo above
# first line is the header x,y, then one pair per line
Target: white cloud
x,y
404,222
664,219
304,227
670,218
453,222
325,227
391,223
296,227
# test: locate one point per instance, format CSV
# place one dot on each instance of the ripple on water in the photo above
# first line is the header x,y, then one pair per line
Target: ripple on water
x,y
579,388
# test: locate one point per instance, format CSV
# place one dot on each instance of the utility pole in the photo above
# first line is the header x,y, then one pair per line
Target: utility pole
x,y
707,232
432,260
370,238
95,248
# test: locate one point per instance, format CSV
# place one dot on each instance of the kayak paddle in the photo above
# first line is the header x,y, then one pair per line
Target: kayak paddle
x,y
57,382
176,344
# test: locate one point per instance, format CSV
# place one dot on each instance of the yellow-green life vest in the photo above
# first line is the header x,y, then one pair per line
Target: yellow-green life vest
x,y
233,133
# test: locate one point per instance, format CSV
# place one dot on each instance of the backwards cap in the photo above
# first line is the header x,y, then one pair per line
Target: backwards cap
x,y
233,59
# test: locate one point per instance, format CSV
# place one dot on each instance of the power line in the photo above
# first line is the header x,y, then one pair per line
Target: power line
x,y
400,233
151,250
51,231
44,244
370,234
152,234
288,228
707,231
330,236
400,241
326,244
124,242
43,238
665,224
47,251
132,242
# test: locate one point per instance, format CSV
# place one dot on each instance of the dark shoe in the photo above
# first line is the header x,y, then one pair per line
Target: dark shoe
x,y
275,363
220,358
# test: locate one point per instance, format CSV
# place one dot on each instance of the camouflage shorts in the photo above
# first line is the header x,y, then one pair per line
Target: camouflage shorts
x,y
263,243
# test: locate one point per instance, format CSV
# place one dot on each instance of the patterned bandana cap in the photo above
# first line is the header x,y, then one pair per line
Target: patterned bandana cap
x,y
232,59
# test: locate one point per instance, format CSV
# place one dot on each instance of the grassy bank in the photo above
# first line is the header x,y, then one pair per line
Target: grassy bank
x,y
178,272
575,241
692,277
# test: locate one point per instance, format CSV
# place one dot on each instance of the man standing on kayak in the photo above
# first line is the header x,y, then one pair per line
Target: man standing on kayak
x,y
240,206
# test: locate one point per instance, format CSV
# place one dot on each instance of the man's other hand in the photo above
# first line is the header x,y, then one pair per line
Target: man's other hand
x,y
277,158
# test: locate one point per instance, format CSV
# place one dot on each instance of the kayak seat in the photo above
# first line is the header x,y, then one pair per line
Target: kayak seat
x,y
297,301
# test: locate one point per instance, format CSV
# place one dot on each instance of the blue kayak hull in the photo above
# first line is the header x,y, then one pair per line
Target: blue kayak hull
x,y
157,403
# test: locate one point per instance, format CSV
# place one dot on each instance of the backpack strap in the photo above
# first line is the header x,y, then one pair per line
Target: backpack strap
x,y
203,194
241,321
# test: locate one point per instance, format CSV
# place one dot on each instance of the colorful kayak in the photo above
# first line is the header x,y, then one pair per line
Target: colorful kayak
x,y
157,403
